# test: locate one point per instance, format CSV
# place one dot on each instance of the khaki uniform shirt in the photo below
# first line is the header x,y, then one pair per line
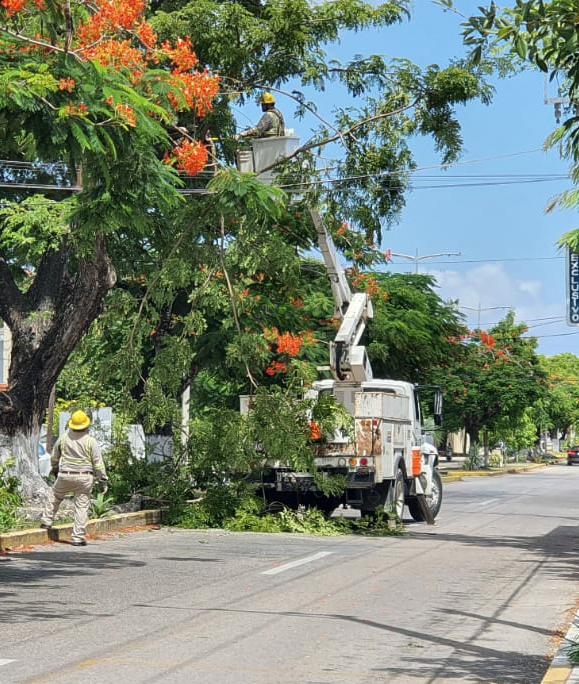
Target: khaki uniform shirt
x,y
270,125
78,451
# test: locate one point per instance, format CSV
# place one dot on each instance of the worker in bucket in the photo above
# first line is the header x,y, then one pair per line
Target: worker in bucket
x,y
270,125
77,463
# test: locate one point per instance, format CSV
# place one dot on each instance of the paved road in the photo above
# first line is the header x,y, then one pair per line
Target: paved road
x,y
478,598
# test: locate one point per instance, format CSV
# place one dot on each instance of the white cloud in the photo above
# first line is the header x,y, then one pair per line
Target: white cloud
x,y
532,287
486,293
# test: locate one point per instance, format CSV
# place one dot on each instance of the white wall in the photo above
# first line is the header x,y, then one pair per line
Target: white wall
x,y
5,349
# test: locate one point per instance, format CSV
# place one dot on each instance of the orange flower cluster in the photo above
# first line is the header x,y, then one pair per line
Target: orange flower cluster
x,y
181,55
275,368
127,114
315,431
76,110
189,157
289,344
372,287
109,18
198,90
13,6
488,340
119,54
146,35
67,84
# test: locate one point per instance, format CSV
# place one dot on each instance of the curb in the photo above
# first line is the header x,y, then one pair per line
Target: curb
x,y
561,671
34,536
456,476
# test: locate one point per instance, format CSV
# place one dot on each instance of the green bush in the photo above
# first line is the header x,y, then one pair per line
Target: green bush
x,y
101,504
10,498
129,475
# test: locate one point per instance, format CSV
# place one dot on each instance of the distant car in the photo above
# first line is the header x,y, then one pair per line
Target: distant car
x,y
573,455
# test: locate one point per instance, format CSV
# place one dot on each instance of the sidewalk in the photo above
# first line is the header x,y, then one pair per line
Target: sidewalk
x,y
9,541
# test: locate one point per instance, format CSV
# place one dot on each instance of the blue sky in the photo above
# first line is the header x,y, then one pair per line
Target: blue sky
x,y
509,257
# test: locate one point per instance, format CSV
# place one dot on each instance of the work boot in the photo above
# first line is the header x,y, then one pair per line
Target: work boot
x,y
78,542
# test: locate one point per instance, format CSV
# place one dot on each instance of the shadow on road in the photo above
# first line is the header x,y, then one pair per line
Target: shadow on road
x,y
41,569
560,547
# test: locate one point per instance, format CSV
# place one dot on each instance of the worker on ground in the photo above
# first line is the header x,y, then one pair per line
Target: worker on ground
x,y
77,462
271,124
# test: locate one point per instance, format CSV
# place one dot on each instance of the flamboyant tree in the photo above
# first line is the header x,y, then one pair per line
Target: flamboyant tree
x,y
491,377
89,99
89,96
241,286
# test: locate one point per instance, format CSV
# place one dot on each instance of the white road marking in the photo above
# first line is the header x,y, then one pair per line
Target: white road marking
x,y
487,502
5,661
296,563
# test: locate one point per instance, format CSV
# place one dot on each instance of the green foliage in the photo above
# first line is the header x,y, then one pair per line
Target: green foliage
x,y
251,516
33,226
517,435
331,416
10,498
412,329
573,653
101,504
558,411
128,475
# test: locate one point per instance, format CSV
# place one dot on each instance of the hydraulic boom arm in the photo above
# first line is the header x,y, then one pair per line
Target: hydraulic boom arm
x,y
348,360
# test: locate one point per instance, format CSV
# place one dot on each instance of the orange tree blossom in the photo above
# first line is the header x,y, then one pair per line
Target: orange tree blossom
x,y
115,37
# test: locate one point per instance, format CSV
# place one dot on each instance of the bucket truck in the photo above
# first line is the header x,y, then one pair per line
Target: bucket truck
x,y
389,464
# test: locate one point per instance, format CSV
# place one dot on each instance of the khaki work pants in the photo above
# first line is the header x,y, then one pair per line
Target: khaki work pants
x,y
81,487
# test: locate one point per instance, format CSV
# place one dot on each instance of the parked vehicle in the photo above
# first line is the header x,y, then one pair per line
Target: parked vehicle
x,y
573,455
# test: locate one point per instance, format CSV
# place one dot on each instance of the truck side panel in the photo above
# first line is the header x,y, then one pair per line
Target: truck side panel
x,y
382,428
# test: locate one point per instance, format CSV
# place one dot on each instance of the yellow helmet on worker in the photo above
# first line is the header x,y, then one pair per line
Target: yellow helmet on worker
x,y
79,421
267,98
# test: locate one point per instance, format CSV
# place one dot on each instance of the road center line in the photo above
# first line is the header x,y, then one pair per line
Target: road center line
x,y
487,502
296,563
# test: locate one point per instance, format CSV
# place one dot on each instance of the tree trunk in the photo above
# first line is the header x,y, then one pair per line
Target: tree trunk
x,y
22,448
47,322
485,449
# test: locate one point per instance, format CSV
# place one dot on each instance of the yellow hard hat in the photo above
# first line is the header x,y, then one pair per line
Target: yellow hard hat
x,y
79,421
267,98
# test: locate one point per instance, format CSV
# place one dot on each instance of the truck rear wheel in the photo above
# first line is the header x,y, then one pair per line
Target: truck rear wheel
x,y
433,502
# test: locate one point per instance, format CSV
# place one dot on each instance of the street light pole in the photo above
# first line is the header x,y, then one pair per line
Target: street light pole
x,y
478,309
416,258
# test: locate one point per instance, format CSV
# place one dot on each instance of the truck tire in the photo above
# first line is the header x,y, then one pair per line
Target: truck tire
x,y
433,502
397,495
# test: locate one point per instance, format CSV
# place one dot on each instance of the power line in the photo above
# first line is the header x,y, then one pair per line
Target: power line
x,y
482,261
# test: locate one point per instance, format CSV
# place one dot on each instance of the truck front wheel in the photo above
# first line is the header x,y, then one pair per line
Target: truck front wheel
x,y
434,501
397,495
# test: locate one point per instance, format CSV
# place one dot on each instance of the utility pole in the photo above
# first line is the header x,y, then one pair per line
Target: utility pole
x,y
416,258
